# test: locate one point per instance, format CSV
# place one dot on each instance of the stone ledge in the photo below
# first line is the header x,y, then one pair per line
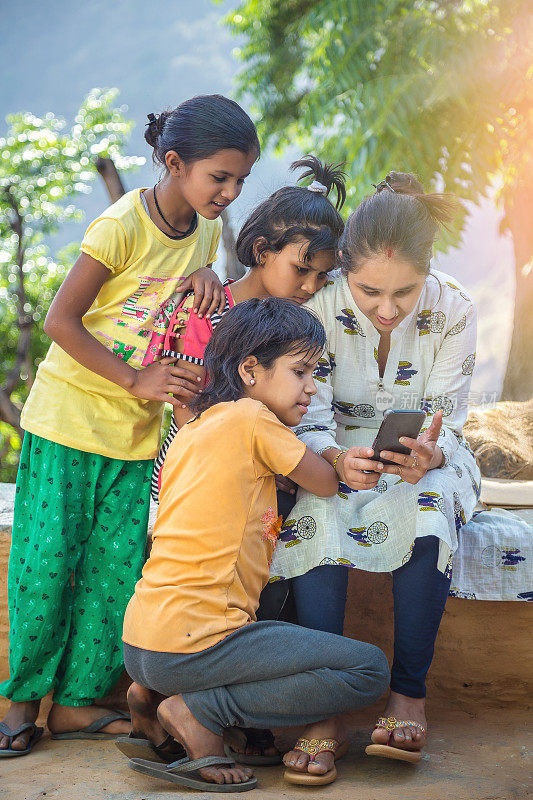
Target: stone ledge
x,y
7,501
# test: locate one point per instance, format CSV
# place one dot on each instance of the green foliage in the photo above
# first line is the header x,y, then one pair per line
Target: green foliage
x,y
441,88
43,165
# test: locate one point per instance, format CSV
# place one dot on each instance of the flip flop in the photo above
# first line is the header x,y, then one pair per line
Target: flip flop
x,y
94,730
11,733
178,772
391,751
250,736
139,747
313,747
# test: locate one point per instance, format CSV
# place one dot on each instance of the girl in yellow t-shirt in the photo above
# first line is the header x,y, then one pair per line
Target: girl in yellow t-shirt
x,y
92,422
190,630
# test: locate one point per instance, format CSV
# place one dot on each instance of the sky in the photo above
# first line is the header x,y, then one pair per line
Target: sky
x,y
159,53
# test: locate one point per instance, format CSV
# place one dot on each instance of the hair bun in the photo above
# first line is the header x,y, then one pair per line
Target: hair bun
x,y
329,175
400,183
439,206
154,127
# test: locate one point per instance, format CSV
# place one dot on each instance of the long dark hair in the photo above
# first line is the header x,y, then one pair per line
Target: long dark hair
x,y
265,328
295,213
200,127
399,216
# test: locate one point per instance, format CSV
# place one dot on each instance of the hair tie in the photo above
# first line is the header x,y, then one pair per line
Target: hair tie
x,y
154,119
383,185
318,187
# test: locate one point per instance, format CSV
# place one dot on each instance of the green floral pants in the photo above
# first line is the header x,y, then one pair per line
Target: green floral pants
x,y
79,535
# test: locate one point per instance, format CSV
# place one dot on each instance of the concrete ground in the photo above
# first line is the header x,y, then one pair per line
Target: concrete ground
x,y
482,757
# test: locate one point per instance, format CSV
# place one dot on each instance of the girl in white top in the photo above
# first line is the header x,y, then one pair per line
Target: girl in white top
x,y
399,336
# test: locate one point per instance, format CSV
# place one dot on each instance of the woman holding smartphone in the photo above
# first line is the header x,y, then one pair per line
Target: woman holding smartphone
x,y
399,336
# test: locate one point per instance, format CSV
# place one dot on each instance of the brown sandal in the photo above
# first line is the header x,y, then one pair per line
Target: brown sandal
x,y
389,751
312,747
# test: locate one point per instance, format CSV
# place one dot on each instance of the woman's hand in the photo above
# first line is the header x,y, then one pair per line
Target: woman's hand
x,y
209,294
163,381
425,454
356,469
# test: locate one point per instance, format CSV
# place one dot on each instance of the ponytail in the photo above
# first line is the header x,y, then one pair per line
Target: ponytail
x,y
328,175
441,207
399,216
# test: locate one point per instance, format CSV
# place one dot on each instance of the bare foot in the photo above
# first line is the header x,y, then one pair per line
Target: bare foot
x,y
322,762
241,740
198,741
143,704
18,714
63,719
409,708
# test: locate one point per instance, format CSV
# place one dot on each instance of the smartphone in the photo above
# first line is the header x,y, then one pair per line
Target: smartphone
x,y
396,424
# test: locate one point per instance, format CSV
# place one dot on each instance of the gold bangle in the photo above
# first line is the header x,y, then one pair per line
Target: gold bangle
x,y
334,465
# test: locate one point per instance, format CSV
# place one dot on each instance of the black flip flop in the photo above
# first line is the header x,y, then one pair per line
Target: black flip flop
x,y
254,737
94,730
178,772
11,733
140,746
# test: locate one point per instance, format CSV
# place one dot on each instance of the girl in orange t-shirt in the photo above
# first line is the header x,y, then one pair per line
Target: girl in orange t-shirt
x,y
200,661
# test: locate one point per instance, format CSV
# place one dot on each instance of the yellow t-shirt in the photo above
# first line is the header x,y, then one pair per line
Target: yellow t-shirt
x,y
215,529
73,406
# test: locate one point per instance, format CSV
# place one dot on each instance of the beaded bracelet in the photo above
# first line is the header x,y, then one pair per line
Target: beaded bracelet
x,y
334,465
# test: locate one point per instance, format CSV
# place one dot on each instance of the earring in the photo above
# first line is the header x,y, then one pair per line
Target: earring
x,y
252,382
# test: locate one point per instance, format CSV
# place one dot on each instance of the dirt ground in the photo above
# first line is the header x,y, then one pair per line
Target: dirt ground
x,y
484,757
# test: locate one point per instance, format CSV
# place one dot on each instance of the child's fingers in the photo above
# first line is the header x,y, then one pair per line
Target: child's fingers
x,y
187,375
216,302
206,298
185,285
170,399
222,301
182,387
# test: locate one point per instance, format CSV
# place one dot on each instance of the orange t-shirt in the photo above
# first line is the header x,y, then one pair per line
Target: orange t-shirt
x,y
215,529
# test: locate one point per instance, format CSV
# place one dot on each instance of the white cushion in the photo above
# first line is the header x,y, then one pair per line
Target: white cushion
x,y
507,493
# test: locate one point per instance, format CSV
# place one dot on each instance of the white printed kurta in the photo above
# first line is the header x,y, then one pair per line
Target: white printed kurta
x,y
429,367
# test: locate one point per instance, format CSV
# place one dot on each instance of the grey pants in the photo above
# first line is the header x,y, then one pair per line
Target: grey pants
x,y
267,674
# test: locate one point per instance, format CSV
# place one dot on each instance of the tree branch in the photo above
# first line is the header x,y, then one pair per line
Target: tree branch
x,y
111,177
234,268
9,411
25,320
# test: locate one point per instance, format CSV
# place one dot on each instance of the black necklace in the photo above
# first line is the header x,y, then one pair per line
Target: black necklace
x,y
182,234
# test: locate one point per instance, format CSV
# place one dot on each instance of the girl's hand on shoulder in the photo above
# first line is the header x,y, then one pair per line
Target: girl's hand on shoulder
x,y
164,382
209,294
425,454
356,469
